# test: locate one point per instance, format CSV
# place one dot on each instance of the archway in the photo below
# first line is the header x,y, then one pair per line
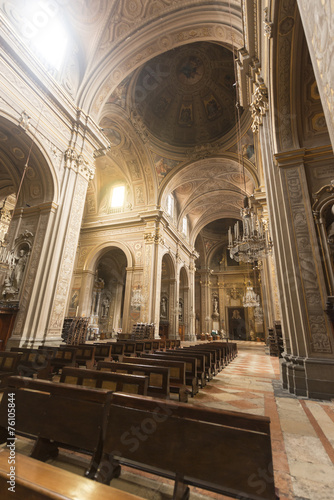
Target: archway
x,y
167,299
105,304
183,305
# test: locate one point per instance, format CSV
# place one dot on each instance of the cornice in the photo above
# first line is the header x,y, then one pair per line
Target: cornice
x,y
304,155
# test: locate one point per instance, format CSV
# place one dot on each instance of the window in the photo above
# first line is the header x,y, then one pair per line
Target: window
x,y
40,24
170,205
117,199
185,225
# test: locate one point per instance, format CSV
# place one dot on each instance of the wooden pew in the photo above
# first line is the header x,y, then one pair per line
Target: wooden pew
x,y
63,356
117,350
103,352
210,359
177,380
58,415
158,376
158,345
203,363
85,355
225,452
36,480
35,362
129,348
134,384
9,362
191,367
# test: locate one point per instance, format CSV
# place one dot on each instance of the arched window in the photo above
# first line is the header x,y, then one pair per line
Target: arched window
x,y
170,205
185,225
117,197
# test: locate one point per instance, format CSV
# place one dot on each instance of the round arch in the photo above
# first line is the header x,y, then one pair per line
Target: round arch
x,y
199,23
18,146
96,253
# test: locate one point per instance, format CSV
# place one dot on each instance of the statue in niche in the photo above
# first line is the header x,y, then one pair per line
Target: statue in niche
x,y
105,308
20,264
215,305
163,307
180,310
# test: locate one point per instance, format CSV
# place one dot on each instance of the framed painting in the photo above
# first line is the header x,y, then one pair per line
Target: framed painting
x,y
236,323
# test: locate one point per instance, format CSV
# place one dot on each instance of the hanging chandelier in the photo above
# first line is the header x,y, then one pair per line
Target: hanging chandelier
x,y
250,299
254,242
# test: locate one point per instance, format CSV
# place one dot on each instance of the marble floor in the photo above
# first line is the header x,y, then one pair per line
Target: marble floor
x,y
302,431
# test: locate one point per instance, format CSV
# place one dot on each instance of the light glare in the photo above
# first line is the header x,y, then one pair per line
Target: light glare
x,y
117,199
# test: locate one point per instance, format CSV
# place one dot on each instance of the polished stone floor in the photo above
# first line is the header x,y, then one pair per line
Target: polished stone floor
x,y
302,431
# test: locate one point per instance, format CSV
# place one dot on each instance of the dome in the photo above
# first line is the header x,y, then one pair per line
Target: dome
x,y
186,96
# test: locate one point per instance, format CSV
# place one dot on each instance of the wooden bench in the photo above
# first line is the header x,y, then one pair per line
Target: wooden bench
x,y
134,384
35,363
158,345
117,350
225,452
9,362
63,356
58,415
103,352
85,355
191,367
158,376
210,365
203,364
177,380
36,480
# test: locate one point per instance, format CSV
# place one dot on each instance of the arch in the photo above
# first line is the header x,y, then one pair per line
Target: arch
x,y
184,276
156,37
17,146
96,253
171,262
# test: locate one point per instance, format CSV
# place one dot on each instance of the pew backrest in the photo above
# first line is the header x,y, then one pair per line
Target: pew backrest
x,y
158,376
134,384
230,448
177,368
66,414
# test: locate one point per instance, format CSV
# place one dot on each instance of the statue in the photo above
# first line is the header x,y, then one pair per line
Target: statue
x,y
105,308
163,307
20,264
9,292
215,305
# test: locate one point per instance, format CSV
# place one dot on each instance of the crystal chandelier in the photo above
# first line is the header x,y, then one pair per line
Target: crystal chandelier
x,y
250,299
254,243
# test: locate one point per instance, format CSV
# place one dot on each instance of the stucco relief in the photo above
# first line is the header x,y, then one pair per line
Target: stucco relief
x,y
64,280
31,272
83,255
307,270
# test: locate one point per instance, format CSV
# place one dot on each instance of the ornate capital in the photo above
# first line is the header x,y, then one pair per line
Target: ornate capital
x,y
77,162
153,238
259,105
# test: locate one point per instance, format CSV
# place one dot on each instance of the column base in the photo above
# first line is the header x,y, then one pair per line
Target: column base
x,y
34,343
320,378
308,377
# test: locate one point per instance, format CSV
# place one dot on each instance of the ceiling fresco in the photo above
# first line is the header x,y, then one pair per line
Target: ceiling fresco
x,y
186,96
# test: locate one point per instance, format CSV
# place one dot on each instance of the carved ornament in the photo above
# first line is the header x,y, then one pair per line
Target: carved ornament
x,y
259,105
